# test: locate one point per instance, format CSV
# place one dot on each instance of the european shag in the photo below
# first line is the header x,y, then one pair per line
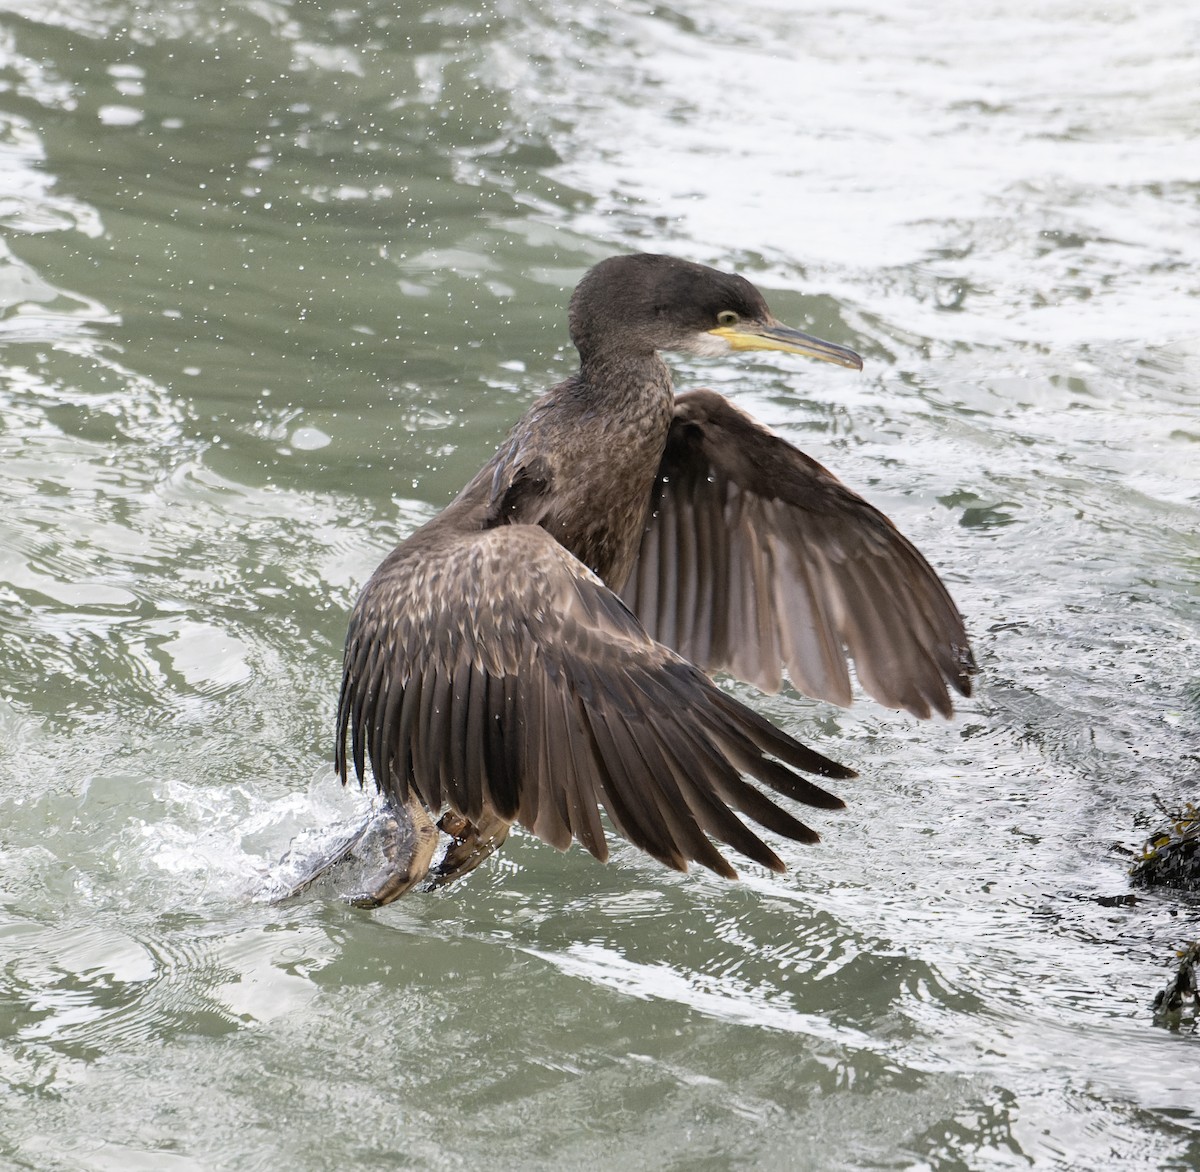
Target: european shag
x,y
543,647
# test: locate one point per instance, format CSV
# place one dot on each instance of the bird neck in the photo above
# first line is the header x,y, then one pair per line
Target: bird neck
x,y
581,463
615,379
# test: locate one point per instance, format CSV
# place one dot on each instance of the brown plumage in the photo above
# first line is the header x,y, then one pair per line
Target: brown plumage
x,y
540,649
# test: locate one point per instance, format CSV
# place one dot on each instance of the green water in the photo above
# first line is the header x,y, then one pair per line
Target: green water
x,y
275,277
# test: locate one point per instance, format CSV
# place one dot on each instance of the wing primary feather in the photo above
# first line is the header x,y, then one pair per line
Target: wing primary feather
x,y
878,658
744,755
705,776
427,748
392,702
689,606
646,571
474,749
376,749
539,803
717,644
529,726
357,739
812,647
619,790
512,733
703,772
664,603
406,739
614,795
343,720
580,782
660,764
741,795
503,780
553,761
463,795
916,658
758,728
644,786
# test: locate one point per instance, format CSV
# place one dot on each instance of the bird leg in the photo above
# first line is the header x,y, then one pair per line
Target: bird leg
x,y
409,840
473,842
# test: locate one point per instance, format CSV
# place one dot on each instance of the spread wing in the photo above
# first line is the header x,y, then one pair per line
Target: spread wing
x,y
492,671
756,558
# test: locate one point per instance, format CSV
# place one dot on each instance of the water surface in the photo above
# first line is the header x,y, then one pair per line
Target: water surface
x,y
274,279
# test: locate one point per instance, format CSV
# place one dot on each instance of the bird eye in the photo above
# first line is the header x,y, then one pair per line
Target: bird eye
x,y
727,318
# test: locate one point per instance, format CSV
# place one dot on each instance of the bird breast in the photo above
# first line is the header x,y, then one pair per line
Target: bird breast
x,y
599,507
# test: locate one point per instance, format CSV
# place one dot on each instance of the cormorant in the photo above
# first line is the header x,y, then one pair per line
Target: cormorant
x,y
543,647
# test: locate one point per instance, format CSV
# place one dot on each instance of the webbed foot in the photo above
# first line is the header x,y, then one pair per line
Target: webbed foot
x,y
473,842
409,839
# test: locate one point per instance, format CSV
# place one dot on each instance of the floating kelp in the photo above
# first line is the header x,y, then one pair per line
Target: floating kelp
x,y
1171,857
1180,997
